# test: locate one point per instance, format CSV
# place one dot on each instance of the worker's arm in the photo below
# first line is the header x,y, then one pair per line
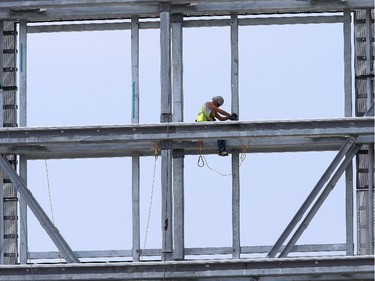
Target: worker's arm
x,y
221,117
220,114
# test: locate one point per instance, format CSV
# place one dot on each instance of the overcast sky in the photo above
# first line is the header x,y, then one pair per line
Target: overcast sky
x,y
84,78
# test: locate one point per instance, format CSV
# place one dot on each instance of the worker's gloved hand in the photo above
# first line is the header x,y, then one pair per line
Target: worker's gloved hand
x,y
234,117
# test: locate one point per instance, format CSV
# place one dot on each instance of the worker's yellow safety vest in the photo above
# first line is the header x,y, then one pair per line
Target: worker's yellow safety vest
x,y
204,116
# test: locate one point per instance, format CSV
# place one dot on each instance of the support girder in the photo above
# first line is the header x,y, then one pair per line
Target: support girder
x,y
43,28
311,197
320,268
85,9
349,149
318,203
122,140
38,211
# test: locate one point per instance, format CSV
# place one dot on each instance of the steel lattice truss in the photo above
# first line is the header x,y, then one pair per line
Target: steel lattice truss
x,y
175,139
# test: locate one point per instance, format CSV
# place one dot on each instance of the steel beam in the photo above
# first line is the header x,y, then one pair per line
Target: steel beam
x,y
320,268
349,150
370,102
86,9
135,156
1,74
166,117
23,232
177,68
178,155
313,194
236,232
121,140
132,133
76,27
260,4
2,230
348,88
323,196
39,213
125,255
146,148
23,123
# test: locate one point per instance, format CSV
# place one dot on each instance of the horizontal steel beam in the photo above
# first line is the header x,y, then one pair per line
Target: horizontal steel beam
x,y
125,149
47,4
186,24
122,140
49,10
121,255
321,268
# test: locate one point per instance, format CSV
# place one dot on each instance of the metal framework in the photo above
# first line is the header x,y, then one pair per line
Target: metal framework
x,y
351,137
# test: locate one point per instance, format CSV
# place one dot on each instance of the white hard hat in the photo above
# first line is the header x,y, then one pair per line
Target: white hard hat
x,y
219,100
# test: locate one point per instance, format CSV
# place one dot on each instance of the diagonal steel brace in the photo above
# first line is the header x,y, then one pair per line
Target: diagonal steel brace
x,y
318,187
318,203
39,213
349,149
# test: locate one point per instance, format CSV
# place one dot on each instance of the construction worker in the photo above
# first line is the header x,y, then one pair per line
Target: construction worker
x,y
210,111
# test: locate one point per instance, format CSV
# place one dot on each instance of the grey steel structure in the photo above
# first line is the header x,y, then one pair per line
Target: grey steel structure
x,y
352,138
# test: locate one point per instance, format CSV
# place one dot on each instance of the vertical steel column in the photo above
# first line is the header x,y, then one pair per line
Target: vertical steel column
x,y
23,215
23,73
371,198
166,155
369,56
348,113
234,63
135,68
165,64
1,74
236,242
348,63
9,87
364,76
135,156
236,245
178,155
2,232
178,204
23,123
136,244
166,208
177,68
370,159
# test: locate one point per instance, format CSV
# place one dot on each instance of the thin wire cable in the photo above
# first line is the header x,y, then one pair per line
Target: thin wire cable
x,y
49,190
202,161
50,197
151,198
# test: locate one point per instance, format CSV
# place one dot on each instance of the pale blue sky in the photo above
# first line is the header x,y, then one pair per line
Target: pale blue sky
x,y
286,72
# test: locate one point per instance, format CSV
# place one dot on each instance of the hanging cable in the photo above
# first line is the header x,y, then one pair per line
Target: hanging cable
x,y
49,190
156,153
244,149
200,162
203,161
50,197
